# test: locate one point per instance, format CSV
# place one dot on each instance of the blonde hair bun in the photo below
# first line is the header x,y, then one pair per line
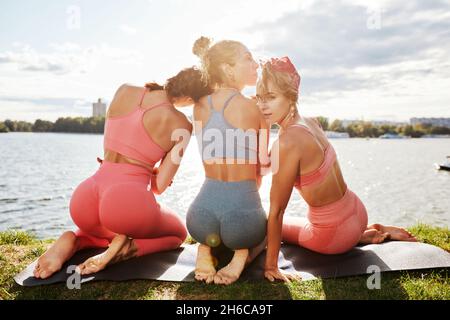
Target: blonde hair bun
x,y
201,46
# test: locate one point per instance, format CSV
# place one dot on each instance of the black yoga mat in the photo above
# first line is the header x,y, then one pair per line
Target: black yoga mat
x,y
179,265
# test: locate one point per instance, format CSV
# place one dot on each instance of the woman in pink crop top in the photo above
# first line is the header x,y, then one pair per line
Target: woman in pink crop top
x,y
116,207
303,158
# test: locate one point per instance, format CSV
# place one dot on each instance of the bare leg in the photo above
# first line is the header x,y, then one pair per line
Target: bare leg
x,y
120,249
233,270
254,252
205,268
378,233
53,259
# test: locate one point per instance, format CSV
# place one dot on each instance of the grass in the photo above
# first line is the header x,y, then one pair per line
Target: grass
x,y
18,249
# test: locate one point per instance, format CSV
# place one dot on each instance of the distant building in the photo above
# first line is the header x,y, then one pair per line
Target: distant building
x,y
437,122
99,109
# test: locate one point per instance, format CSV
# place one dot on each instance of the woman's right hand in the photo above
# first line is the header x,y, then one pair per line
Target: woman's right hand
x,y
276,274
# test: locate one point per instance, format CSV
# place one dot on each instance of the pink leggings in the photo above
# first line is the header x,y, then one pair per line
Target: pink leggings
x,y
115,201
331,229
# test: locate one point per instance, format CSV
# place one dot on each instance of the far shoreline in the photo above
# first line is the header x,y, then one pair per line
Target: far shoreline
x,y
337,129
434,137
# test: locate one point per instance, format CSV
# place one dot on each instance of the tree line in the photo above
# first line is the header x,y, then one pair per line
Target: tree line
x,y
72,125
364,129
97,124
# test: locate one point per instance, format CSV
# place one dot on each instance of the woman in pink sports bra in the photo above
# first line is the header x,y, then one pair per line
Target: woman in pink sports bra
x,y
116,207
302,158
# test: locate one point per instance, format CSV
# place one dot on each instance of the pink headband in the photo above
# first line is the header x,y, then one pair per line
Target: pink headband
x,y
285,65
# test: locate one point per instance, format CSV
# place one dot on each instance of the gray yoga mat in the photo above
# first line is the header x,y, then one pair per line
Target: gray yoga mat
x,y
178,265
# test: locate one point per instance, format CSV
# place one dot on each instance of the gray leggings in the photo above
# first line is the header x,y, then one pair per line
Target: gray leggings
x,y
229,213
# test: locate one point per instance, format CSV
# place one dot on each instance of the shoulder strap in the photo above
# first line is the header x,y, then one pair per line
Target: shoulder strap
x,y
303,126
142,98
162,104
227,102
307,129
210,103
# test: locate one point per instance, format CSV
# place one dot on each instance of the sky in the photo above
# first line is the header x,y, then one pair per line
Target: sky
x,y
357,61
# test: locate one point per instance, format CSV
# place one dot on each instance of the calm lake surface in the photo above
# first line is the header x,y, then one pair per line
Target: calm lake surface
x,y
396,179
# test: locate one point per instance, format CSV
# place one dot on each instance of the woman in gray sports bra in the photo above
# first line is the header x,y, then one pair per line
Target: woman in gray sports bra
x,y
228,127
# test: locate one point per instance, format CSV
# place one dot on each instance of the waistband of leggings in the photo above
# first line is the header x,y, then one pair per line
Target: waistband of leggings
x,y
211,181
124,168
336,211
229,188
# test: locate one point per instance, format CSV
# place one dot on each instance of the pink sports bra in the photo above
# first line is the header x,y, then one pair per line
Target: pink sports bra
x,y
127,135
318,175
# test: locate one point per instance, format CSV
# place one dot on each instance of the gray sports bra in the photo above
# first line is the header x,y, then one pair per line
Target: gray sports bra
x,y
219,139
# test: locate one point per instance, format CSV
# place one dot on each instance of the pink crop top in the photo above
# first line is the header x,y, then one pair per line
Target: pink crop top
x,y
319,174
127,135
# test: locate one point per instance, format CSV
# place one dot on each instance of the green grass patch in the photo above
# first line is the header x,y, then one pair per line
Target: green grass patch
x,y
18,249
437,236
16,237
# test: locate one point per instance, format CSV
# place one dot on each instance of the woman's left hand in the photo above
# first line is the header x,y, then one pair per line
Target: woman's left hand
x,y
276,274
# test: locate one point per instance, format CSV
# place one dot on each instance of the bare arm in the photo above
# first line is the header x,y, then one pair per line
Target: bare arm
x,y
171,162
263,165
283,181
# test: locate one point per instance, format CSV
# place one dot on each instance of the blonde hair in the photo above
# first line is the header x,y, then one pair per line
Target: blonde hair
x,y
282,81
213,57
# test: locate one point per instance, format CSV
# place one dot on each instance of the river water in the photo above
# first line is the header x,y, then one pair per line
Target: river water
x,y
395,179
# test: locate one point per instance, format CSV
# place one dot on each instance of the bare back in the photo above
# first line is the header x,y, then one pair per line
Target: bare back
x,y
158,122
241,113
311,156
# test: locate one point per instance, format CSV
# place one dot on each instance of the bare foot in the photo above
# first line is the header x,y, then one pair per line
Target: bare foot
x,y
53,259
373,236
397,233
121,248
233,270
205,268
378,233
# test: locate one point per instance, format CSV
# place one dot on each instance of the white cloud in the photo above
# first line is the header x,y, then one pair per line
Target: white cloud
x,y
347,69
128,30
38,84
350,70
67,57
